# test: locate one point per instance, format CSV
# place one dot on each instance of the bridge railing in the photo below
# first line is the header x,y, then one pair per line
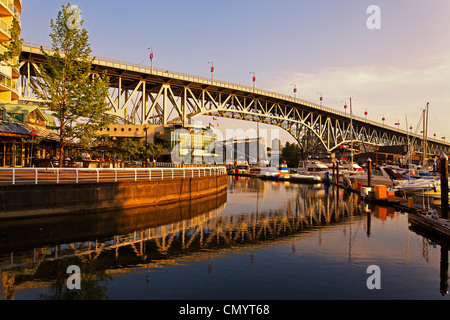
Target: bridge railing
x,y
24,176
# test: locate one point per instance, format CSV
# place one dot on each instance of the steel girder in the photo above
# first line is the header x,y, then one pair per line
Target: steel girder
x,y
141,95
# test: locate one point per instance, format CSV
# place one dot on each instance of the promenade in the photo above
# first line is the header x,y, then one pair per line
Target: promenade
x,y
24,176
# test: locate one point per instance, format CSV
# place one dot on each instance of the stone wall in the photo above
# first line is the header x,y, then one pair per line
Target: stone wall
x,y
20,201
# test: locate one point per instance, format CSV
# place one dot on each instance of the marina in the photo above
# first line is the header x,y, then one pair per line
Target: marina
x,y
127,180
264,240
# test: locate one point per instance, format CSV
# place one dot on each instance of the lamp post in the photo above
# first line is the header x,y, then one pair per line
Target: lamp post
x,y
321,97
146,143
254,80
345,107
151,58
212,70
295,91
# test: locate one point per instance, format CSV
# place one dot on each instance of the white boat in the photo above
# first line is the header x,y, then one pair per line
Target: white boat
x,y
277,173
308,178
422,185
384,176
313,168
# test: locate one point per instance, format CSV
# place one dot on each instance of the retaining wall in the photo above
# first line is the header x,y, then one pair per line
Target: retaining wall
x,y
21,201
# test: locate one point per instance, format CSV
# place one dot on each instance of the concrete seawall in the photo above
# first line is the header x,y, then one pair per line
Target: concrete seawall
x,y
21,201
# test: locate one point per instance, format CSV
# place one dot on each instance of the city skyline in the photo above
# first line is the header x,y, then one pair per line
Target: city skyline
x,y
323,48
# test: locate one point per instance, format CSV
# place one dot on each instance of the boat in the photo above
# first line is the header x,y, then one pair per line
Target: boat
x,y
313,168
420,186
305,178
380,176
260,171
280,172
242,170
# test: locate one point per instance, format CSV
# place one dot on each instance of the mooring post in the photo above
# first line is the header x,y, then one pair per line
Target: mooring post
x,y
334,175
337,172
444,186
369,172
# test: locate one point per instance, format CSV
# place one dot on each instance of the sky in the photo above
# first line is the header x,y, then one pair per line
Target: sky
x,y
321,46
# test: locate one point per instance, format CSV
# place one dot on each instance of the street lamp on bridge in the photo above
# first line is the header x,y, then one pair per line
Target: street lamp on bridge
x,y
212,70
254,80
321,97
151,58
295,90
345,106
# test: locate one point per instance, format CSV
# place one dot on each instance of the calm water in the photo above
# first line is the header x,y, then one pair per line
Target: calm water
x,y
259,241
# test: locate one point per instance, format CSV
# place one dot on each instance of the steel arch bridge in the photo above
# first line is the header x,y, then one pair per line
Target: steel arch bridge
x,y
145,95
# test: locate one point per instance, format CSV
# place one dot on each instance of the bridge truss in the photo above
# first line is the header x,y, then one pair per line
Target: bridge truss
x,y
145,95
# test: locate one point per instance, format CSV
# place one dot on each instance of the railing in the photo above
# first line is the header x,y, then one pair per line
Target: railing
x,y
24,176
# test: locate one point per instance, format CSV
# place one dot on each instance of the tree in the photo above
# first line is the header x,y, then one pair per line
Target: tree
x,y
76,97
291,153
132,148
155,150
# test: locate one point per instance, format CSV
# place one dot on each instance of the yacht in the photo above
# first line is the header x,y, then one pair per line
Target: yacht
x,y
313,168
382,176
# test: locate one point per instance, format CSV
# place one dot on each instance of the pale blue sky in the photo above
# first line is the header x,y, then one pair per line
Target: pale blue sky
x,y
321,46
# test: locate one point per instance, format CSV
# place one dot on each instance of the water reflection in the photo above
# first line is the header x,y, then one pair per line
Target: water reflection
x,y
251,216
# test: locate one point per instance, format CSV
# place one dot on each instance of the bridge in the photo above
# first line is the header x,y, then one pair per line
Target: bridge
x,y
141,94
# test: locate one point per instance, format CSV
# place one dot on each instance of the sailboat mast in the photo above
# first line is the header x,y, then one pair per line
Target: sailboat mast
x,y
425,135
351,132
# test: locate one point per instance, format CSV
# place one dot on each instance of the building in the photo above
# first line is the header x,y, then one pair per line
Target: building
x,y
25,135
9,70
245,151
190,144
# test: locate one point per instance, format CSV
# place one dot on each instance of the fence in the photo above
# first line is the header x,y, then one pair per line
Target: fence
x,y
15,176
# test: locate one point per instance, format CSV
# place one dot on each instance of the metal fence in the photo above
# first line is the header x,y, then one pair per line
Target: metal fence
x,y
23,176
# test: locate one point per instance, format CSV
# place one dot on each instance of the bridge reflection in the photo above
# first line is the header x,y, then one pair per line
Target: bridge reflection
x,y
168,235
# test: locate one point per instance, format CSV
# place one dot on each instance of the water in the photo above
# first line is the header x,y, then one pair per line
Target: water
x,y
259,241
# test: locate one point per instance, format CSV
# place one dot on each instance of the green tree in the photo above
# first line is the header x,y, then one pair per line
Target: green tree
x,y
154,150
75,96
132,148
291,153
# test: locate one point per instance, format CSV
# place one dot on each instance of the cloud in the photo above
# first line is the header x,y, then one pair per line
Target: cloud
x,y
389,91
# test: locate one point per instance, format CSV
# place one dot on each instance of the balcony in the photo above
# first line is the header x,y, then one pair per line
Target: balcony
x,y
10,8
5,34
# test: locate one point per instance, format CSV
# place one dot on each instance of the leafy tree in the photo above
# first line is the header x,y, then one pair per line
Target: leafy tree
x,y
75,96
291,153
14,46
154,150
132,148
